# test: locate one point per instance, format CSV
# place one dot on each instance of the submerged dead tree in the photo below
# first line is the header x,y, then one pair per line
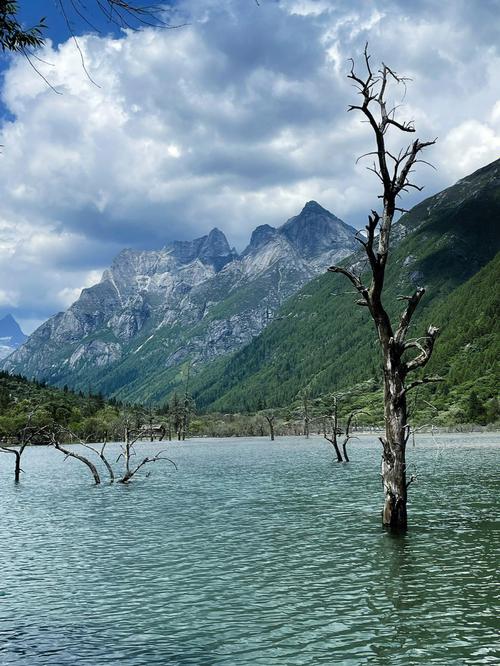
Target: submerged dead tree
x,y
332,435
270,418
26,436
347,434
305,406
128,453
56,437
394,171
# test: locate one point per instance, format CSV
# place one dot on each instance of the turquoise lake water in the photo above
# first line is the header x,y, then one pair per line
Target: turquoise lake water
x,y
253,552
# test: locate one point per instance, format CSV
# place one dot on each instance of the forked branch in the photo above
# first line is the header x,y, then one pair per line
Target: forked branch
x,y
145,461
407,315
426,346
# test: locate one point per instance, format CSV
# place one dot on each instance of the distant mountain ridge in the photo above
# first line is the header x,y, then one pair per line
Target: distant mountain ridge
x,y
11,335
155,312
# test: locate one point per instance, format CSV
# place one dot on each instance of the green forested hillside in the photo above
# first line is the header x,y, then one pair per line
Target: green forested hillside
x,y
324,342
23,401
468,352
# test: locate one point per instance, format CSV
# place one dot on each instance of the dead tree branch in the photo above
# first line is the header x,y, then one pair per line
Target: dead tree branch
x,y
71,454
347,434
145,461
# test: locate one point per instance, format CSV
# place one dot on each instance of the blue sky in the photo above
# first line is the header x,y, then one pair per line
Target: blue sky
x,y
235,120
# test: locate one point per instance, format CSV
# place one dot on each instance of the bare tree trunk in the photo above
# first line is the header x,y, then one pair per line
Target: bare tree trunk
x,y
26,437
17,468
306,414
393,170
127,450
17,464
102,457
335,430
347,435
344,451
393,469
106,463
333,442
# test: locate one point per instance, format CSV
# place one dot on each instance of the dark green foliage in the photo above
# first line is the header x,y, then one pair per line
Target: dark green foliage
x,y
469,350
13,35
23,401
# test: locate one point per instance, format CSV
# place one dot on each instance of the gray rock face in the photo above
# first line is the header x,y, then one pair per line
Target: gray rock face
x,y
192,300
11,336
317,234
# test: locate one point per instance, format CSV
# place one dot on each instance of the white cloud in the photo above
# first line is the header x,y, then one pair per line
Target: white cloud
x,y
233,121
469,146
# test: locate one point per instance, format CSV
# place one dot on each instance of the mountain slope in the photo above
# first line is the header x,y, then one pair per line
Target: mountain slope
x,y
156,312
322,340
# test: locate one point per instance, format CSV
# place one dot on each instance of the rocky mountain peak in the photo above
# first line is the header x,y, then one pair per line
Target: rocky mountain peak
x,y
316,230
211,249
11,329
261,235
11,335
215,250
314,207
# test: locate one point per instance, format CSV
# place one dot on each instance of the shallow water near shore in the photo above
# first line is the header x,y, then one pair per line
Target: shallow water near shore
x,y
253,552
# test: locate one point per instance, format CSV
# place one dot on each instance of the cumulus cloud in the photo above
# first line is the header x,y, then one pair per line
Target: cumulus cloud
x,y
232,121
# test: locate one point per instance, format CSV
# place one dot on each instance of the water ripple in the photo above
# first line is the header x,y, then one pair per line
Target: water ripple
x,y
252,553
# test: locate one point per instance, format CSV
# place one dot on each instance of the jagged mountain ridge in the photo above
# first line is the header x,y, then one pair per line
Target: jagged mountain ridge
x,y
11,335
191,301
443,243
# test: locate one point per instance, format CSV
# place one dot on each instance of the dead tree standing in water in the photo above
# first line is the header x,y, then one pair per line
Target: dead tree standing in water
x,y
393,170
71,454
336,431
128,452
270,418
347,434
307,419
26,437
332,437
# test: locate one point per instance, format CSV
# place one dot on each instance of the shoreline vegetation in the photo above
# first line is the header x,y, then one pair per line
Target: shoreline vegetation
x,y
466,429
28,406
